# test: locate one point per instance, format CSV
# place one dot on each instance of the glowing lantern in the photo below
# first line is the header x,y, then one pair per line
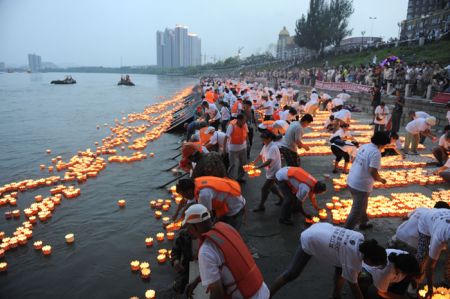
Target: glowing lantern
x,y
170,235
158,214
70,238
149,242
160,237
3,266
161,258
47,250
135,265
150,294
121,203
145,273
37,245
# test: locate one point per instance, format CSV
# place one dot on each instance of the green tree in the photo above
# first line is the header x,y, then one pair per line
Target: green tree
x,y
339,12
325,24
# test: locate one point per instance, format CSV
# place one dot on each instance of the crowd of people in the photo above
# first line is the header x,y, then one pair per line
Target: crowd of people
x,y
216,155
418,76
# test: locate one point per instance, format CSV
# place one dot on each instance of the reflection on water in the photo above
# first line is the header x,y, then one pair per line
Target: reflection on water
x,y
34,116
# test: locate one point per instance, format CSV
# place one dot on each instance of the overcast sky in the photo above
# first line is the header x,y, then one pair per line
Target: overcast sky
x,y
99,32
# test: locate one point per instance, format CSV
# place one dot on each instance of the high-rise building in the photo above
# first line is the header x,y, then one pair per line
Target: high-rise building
x,y
177,48
425,18
34,63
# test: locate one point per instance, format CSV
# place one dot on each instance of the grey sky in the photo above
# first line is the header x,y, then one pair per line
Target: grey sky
x,y
99,32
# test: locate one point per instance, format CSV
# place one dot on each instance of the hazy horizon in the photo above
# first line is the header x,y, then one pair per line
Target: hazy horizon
x,y
100,32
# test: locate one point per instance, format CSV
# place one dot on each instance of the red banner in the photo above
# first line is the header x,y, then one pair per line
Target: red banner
x,y
339,86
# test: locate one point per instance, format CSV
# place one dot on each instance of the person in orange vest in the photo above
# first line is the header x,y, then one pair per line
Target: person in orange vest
x,y
236,108
236,140
205,135
226,265
197,159
296,185
209,96
221,196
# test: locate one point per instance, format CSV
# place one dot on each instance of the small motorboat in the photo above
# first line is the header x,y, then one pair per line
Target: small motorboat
x,y
67,80
125,81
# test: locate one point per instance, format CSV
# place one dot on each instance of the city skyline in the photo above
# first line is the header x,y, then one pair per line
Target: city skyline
x,y
101,32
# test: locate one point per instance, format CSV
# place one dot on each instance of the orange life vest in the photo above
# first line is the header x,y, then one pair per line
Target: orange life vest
x,y
209,96
302,176
238,259
268,124
276,115
204,138
239,135
235,108
222,185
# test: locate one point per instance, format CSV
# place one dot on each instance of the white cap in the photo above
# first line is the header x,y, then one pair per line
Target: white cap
x,y
210,130
195,214
431,120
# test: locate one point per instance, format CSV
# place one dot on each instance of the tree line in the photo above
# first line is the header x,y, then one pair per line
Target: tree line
x,y
325,24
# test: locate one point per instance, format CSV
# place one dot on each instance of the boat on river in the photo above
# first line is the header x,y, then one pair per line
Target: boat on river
x,y
125,81
67,80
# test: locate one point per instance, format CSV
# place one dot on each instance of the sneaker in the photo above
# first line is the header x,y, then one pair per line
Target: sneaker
x,y
285,221
365,226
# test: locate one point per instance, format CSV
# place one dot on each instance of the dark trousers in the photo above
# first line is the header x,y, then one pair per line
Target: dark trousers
x,y
396,118
288,201
224,125
358,213
215,124
269,185
379,127
250,140
298,263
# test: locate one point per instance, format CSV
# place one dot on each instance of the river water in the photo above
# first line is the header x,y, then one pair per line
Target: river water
x,y
35,116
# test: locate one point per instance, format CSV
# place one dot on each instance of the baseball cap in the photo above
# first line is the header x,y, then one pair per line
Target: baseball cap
x,y
195,214
431,120
210,130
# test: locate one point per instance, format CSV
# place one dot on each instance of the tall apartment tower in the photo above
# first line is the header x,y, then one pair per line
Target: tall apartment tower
x,y
34,63
177,48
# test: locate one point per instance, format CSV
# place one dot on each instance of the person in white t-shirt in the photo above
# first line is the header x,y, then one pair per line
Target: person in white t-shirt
x,y
442,151
444,171
342,248
341,148
271,158
408,231
222,275
392,280
337,102
225,115
267,106
342,116
363,174
213,114
434,234
381,117
415,128
217,141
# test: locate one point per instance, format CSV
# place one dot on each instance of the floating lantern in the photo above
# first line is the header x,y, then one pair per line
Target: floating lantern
x,y
135,265
329,205
153,204
165,207
2,252
161,258
49,151
22,240
160,237
158,214
121,203
149,242
150,294
165,221
144,265
37,245
42,166
16,213
178,199
8,215
3,266
152,155
323,214
170,235
47,250
145,273
70,238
